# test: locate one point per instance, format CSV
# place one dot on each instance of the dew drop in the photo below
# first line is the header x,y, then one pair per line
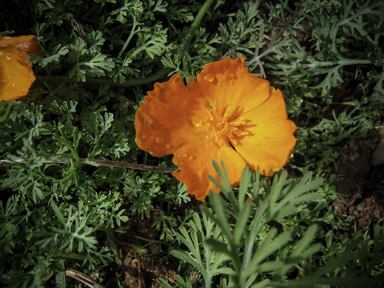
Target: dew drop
x,y
190,157
184,155
231,75
159,140
209,77
219,82
181,163
147,120
5,80
167,146
231,82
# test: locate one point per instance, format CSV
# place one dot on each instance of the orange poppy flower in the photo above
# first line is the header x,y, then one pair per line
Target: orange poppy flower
x,y
226,115
16,74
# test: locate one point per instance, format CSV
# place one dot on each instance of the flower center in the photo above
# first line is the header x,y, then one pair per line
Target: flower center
x,y
226,127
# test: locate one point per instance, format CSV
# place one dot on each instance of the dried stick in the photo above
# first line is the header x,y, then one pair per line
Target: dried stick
x,y
108,163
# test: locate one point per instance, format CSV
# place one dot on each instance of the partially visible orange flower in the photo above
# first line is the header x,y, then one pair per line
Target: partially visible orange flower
x,y
16,74
226,115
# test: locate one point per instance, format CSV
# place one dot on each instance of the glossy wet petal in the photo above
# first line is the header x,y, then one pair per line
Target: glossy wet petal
x,y
270,140
16,75
28,43
228,83
171,116
195,163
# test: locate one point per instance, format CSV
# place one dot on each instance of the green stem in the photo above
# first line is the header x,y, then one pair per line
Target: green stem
x,y
129,83
113,246
367,10
60,275
133,32
319,64
285,42
7,112
346,62
184,47
69,145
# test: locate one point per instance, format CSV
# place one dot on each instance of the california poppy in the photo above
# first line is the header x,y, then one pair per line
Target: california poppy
x,y
16,74
227,115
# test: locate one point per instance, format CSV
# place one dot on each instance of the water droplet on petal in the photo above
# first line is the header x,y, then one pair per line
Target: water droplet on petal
x,y
181,163
209,77
190,157
184,155
5,80
219,82
231,82
147,120
231,75
159,140
167,146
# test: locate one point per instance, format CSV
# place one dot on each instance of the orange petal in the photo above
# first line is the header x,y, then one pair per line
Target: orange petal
x,y
228,82
171,117
16,75
195,162
270,141
28,44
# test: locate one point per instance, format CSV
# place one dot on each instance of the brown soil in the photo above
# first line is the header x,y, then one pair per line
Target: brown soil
x,y
142,262
144,256
361,188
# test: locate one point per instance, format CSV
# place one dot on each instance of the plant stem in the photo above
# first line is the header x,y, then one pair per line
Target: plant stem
x,y
318,64
111,82
60,275
285,42
184,47
107,163
114,248
129,37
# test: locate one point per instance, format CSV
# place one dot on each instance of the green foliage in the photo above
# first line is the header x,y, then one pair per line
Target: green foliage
x,y
255,255
60,209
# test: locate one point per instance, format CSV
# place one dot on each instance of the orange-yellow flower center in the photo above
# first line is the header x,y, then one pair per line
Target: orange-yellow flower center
x,y
225,127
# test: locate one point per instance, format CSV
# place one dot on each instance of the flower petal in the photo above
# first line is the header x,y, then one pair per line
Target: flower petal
x,y
227,82
195,162
170,117
28,43
270,141
16,74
